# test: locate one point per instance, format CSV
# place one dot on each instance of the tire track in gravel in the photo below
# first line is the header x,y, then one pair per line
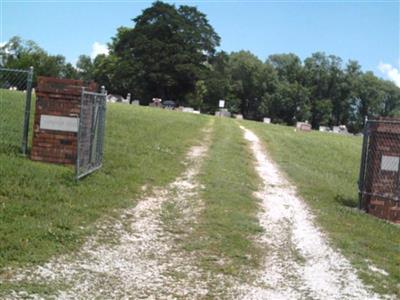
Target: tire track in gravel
x,y
142,262
299,262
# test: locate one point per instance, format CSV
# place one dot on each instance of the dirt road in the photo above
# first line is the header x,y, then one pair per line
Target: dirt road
x,y
299,263
132,256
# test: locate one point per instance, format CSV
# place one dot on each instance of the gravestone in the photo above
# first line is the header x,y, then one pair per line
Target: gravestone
x,y
223,112
303,126
239,117
187,109
341,129
324,129
267,120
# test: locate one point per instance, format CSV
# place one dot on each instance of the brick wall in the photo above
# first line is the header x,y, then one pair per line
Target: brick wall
x,y
382,186
56,97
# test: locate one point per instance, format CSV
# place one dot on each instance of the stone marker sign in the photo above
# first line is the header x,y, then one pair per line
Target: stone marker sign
x,y
59,123
390,163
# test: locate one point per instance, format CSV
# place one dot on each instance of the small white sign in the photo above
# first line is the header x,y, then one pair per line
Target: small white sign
x,y
390,163
59,123
221,103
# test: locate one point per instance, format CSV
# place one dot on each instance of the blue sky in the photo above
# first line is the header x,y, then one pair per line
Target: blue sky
x,y
368,31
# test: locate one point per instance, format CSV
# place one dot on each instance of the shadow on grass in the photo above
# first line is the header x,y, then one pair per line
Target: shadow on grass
x,y
346,201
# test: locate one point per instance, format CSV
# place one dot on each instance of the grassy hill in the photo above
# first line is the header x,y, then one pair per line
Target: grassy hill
x,y
44,212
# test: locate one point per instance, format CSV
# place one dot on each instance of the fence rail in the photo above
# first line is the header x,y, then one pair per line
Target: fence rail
x,y
15,109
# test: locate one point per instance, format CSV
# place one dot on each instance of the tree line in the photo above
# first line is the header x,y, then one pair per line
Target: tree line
x,y
171,53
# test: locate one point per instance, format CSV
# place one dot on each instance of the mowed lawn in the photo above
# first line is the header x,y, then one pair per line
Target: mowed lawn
x,y
228,224
44,211
325,169
12,108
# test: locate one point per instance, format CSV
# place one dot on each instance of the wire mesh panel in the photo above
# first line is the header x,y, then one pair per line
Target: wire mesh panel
x,y
90,133
15,103
379,182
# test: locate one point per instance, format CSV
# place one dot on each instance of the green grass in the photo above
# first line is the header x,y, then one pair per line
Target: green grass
x,y
228,222
325,169
44,212
12,107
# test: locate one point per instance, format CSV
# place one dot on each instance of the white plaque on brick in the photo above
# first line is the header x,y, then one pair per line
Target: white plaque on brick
x,y
59,123
390,163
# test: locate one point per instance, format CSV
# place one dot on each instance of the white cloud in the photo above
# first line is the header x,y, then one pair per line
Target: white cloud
x,y
97,49
391,72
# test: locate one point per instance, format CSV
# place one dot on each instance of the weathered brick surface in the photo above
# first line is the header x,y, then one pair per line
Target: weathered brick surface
x,y
57,97
382,186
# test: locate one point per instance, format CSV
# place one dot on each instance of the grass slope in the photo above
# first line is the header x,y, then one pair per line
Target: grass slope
x,y
325,169
12,107
43,211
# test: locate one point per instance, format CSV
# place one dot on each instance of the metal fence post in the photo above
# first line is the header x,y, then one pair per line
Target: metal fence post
x,y
102,121
78,137
364,158
24,145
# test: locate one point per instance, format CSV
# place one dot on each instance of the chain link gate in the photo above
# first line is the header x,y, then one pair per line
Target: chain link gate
x,y
91,133
379,179
15,109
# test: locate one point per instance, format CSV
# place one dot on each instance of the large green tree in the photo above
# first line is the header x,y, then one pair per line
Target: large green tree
x,y
167,50
250,80
289,101
85,67
218,84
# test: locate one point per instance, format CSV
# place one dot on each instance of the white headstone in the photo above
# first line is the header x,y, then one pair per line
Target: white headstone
x,y
267,120
188,109
239,116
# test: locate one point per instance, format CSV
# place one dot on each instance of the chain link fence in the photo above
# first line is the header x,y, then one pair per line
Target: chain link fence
x,y
15,106
91,133
379,182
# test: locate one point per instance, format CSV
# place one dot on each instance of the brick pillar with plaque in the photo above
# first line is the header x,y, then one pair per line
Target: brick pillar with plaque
x,y
383,169
56,120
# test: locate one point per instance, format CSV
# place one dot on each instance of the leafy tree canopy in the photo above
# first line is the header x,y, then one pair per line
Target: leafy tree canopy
x,y
167,49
